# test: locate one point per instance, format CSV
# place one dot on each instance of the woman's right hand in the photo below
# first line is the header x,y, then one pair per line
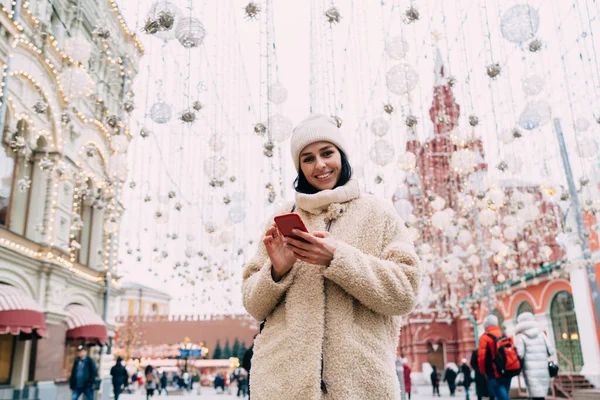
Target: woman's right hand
x,y
282,258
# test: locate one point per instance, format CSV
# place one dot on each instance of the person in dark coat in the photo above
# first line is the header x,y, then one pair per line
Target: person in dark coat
x,y
450,376
481,385
406,375
163,383
435,381
247,363
466,372
83,375
119,377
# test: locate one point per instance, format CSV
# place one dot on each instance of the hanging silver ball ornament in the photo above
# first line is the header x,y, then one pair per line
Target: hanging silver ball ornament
x,y
132,184
102,32
597,117
171,194
411,121
151,26
388,108
226,200
519,23
260,129
473,120
401,79
411,15
535,45
190,32
178,206
90,150
40,107
502,166
188,116
46,164
378,179
113,121
197,105
584,181
493,70
252,10
144,132
214,182
451,81
129,106
268,149
338,120
24,184
232,179
516,133
65,117
333,15
166,19
160,112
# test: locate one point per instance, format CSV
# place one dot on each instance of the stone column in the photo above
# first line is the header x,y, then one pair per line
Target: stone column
x,y
20,367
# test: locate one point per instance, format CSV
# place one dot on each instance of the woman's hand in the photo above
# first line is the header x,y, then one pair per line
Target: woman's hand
x,y
282,258
318,249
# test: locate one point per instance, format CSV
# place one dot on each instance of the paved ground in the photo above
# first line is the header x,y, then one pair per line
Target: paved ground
x,y
419,393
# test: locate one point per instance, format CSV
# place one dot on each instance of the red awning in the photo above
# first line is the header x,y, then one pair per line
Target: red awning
x,y
19,313
84,323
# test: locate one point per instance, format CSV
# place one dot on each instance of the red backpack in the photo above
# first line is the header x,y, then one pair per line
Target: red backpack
x,y
505,356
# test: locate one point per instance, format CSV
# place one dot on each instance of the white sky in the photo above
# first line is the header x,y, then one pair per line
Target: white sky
x,y
232,64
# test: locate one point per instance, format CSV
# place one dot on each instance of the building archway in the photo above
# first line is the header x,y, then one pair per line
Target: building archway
x,y
435,355
566,331
523,307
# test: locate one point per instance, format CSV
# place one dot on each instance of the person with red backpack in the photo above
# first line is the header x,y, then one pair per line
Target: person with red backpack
x,y
497,358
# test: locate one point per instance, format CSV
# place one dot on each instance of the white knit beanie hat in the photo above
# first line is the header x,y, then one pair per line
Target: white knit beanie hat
x,y
490,320
315,128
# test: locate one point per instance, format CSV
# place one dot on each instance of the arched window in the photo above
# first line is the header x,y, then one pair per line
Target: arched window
x,y
86,210
566,332
524,307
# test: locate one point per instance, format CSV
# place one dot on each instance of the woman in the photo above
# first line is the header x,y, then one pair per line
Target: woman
x,y
534,349
331,303
407,379
450,376
466,377
481,384
150,381
435,381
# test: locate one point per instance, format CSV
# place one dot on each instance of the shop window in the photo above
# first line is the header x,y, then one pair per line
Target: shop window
x,y
7,169
566,332
7,347
524,307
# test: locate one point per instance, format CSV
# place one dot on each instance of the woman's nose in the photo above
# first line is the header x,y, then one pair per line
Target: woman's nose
x,y
320,162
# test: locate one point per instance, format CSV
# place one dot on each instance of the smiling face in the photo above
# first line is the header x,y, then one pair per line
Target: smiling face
x,y
321,164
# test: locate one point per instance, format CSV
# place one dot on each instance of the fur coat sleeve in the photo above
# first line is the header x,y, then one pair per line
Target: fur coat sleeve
x,y
260,293
387,284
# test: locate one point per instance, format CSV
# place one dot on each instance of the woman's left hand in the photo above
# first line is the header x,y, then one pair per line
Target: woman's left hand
x,y
317,250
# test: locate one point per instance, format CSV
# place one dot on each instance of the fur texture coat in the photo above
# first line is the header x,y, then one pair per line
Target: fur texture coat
x,y
534,348
337,324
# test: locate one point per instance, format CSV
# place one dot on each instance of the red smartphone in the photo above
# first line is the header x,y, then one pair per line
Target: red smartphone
x,y
287,222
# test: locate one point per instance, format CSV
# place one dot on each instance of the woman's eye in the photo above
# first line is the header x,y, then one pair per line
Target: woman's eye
x,y
327,153
308,159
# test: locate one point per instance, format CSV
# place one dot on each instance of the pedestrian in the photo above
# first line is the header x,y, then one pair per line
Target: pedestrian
x,y
175,379
150,381
534,349
450,375
163,383
407,378
345,281
242,382
219,383
435,381
466,377
499,381
134,378
481,383
83,375
247,364
119,377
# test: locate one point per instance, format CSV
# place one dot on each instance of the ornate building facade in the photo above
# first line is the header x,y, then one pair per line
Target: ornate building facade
x,y
511,232
68,66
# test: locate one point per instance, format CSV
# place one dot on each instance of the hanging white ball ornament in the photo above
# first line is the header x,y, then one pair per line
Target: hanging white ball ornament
x,y
402,79
190,32
160,112
533,85
79,48
463,161
76,83
487,217
277,93
281,127
396,47
382,152
380,126
407,161
519,23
